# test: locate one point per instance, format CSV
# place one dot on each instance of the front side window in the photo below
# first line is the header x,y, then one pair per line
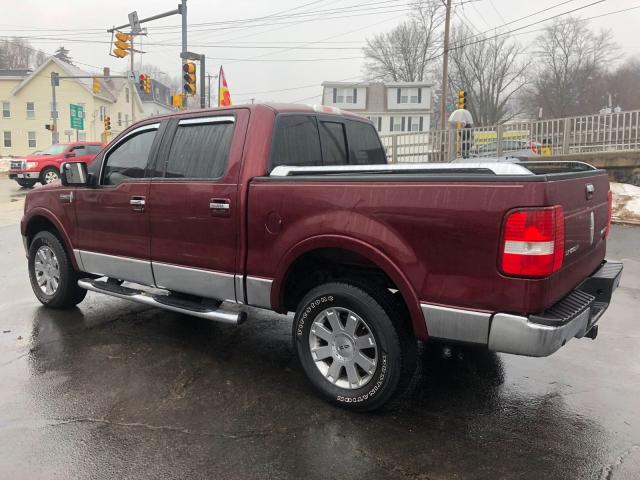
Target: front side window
x,y
31,138
200,150
7,139
129,159
31,110
6,110
364,143
296,142
334,143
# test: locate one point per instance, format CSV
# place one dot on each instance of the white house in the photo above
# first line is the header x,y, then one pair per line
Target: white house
x,y
393,107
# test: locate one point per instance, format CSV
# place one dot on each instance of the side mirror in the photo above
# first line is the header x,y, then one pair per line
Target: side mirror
x,y
70,155
74,174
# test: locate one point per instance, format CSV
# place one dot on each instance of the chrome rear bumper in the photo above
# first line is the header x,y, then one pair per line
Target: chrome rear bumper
x,y
533,335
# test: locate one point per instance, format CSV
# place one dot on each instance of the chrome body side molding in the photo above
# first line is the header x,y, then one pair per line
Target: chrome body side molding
x,y
239,281
78,257
195,281
259,292
456,324
123,268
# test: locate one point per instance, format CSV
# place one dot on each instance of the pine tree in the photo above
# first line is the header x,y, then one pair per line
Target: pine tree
x,y
63,54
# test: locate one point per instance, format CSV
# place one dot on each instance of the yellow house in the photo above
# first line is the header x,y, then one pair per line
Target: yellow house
x,y
26,99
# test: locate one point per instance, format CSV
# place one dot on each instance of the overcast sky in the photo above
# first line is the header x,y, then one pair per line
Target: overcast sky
x,y
259,57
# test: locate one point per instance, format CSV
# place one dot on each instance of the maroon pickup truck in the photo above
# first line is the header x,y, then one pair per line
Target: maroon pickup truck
x,y
295,209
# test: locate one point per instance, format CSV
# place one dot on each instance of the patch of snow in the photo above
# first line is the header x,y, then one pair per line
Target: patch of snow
x,y
626,203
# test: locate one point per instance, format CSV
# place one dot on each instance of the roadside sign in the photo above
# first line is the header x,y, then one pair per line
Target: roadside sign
x,y
135,23
76,113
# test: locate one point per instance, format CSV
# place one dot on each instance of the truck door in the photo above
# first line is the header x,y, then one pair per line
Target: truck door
x,y
113,223
195,216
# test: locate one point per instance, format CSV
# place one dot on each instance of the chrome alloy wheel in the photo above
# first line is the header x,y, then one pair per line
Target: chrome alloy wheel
x,y
343,348
47,270
50,177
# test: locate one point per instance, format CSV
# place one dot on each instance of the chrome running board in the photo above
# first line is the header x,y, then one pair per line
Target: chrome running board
x,y
168,302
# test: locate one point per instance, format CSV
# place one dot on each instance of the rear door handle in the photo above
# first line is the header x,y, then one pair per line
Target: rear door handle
x,y
137,203
220,207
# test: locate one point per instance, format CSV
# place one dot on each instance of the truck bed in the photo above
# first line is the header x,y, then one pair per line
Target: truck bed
x,y
439,225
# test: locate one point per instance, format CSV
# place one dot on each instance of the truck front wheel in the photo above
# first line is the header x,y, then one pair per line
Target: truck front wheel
x,y
353,346
26,183
49,175
53,279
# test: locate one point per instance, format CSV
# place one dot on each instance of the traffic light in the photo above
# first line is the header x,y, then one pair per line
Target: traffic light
x,y
189,70
96,85
145,83
462,99
107,123
176,100
122,44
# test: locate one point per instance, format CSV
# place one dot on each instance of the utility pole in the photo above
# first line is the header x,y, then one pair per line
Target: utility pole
x,y
133,84
445,69
55,137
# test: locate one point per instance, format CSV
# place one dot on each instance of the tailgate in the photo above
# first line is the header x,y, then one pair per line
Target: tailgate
x,y
584,199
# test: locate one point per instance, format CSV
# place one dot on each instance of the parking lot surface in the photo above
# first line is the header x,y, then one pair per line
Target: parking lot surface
x,y
113,389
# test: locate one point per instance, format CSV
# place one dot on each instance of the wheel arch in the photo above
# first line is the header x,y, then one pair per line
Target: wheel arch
x,y
40,220
351,249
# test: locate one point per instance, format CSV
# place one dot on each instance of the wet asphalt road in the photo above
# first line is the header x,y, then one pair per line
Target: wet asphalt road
x,y
118,390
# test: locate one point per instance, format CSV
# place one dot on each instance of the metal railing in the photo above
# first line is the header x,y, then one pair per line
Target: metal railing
x,y
587,133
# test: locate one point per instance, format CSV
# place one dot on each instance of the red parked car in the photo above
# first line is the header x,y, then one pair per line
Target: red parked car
x,y
295,209
45,166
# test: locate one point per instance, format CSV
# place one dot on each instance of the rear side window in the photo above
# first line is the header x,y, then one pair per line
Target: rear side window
x,y
93,149
200,150
296,142
364,143
334,144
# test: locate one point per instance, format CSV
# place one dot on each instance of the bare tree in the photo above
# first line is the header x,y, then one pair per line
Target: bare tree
x,y
15,53
491,70
406,53
569,57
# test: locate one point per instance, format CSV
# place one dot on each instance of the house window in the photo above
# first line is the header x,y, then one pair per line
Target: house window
x,y
409,95
31,138
377,121
7,139
345,95
414,124
126,95
6,110
397,124
126,119
31,110
119,119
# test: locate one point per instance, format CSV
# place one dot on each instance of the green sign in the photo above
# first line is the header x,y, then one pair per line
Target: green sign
x,y
77,116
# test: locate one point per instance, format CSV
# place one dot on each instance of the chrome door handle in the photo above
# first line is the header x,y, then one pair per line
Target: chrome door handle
x,y
220,206
137,203
66,197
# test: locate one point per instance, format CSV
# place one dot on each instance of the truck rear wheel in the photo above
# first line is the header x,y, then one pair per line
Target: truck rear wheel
x,y
53,279
352,345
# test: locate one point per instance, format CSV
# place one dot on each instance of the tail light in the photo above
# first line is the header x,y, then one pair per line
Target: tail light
x,y
533,242
609,211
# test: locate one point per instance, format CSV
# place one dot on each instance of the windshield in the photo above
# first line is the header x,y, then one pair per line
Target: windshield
x,y
54,149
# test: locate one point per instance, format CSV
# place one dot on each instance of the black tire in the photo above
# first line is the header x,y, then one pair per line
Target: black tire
x,y
46,176
67,293
26,183
396,346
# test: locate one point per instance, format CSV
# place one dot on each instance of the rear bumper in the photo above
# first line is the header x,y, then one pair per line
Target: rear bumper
x,y
533,335
21,175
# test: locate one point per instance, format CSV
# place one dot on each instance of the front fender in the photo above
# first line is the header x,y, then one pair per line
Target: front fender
x,y
47,214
